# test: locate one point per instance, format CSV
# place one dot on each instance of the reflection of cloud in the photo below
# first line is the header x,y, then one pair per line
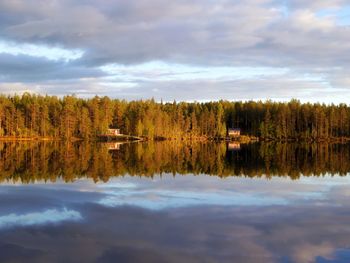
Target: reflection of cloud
x,y
160,199
304,253
211,234
191,191
38,218
196,225
118,184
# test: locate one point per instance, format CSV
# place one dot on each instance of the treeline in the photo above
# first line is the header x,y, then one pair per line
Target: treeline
x,y
71,117
51,161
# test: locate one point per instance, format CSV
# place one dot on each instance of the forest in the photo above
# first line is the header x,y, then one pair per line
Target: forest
x,y
71,117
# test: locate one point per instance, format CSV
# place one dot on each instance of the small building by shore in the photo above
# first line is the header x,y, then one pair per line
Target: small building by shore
x,y
234,132
113,132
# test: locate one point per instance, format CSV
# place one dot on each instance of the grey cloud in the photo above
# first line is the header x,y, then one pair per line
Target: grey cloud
x,y
188,32
143,31
14,68
287,34
281,88
316,4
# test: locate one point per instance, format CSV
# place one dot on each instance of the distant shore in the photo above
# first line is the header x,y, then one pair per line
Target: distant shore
x,y
34,138
33,117
241,139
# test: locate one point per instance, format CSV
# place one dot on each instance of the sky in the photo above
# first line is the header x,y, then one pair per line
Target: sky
x,y
184,50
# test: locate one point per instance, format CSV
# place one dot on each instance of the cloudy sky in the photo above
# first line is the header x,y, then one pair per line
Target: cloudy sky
x,y
184,49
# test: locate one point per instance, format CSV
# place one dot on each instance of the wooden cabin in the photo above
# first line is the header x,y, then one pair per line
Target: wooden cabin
x,y
113,132
234,132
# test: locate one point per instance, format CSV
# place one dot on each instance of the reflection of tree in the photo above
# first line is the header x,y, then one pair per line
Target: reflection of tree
x,y
48,161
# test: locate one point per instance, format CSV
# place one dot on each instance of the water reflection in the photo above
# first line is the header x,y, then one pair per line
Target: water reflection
x,y
38,218
159,217
276,220
183,192
27,162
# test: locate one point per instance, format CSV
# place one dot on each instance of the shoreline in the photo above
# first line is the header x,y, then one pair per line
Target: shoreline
x,y
242,139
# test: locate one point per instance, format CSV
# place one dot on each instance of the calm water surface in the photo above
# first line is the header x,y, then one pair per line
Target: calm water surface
x,y
165,202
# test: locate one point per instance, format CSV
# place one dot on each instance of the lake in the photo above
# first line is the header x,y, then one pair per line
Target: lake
x,y
174,202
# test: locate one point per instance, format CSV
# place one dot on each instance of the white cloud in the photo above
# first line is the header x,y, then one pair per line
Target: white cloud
x,y
43,51
160,71
209,42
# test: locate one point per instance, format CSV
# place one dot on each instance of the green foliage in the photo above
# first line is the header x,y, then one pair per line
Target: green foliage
x,y
71,117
